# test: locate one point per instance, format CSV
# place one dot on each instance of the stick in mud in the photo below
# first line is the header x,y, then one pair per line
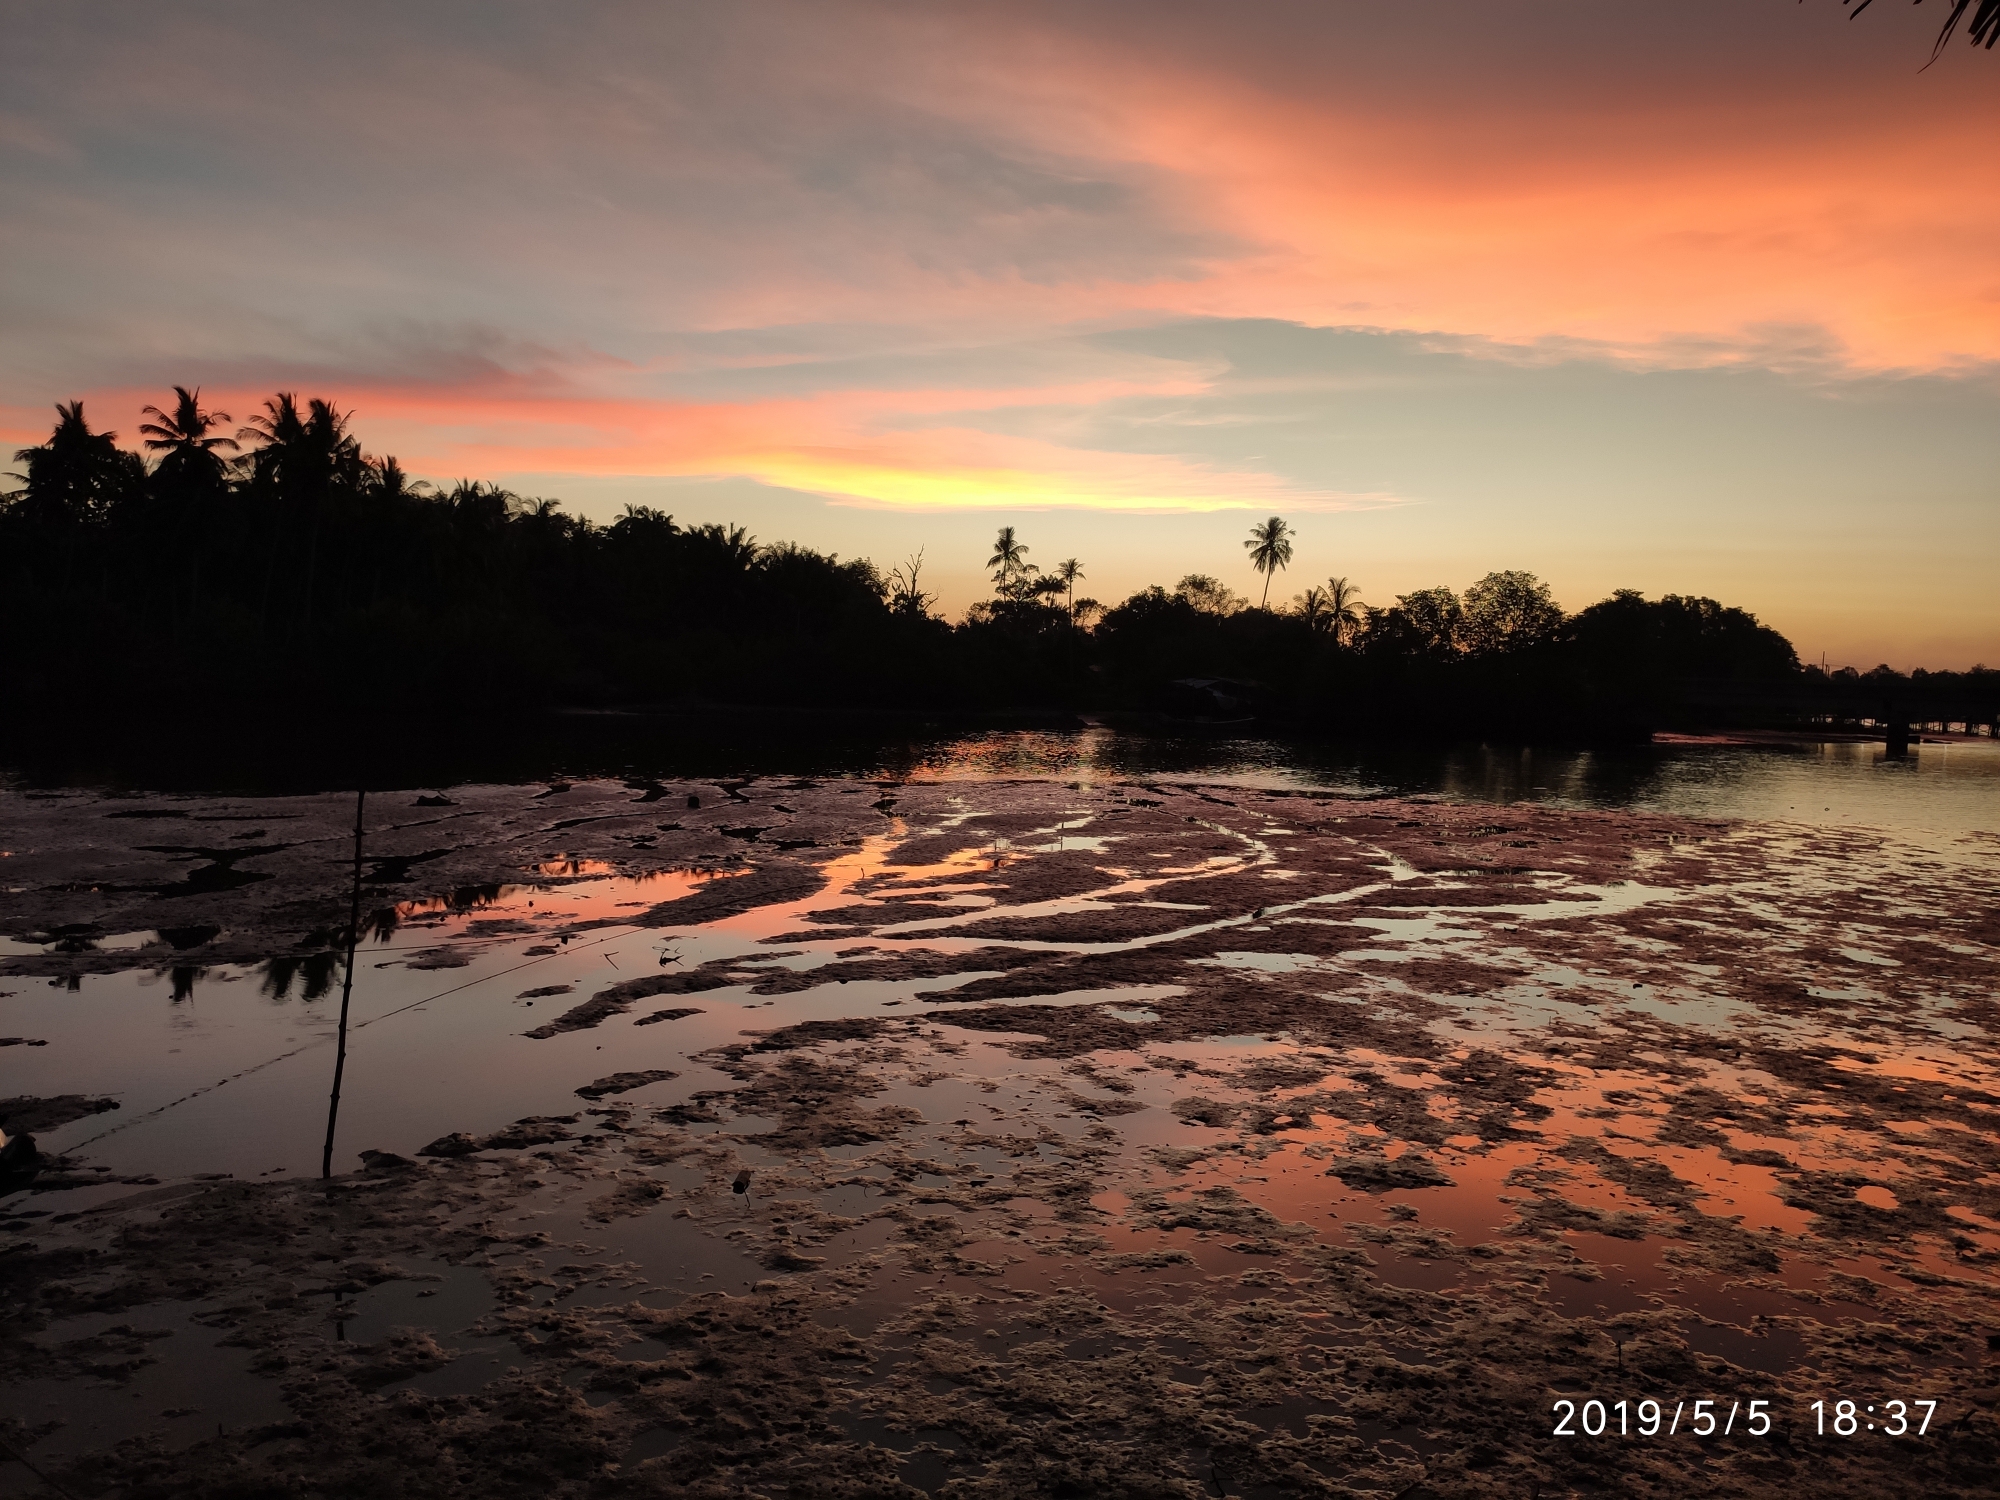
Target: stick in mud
x,y
346,993
24,1463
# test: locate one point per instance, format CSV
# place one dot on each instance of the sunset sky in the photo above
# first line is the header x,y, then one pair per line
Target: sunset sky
x,y
1699,297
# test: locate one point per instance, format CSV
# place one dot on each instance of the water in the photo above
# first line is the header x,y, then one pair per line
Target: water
x,y
456,1061
1735,1050
1945,787
1942,788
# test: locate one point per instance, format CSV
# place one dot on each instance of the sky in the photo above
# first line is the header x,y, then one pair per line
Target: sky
x,y
1693,298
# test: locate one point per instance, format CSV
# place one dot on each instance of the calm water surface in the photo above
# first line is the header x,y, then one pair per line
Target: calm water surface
x,y
1948,790
125,1036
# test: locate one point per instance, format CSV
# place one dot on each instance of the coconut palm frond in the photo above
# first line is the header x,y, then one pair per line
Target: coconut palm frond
x,y
1009,557
1066,573
187,429
1984,31
1270,548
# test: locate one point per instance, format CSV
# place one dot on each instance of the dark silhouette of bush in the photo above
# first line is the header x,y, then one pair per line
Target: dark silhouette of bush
x,y
283,571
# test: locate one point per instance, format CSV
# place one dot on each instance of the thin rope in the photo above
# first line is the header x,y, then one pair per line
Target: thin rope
x,y
321,1041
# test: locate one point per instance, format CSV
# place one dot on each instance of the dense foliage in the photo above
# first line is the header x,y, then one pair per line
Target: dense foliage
x,y
281,567
300,568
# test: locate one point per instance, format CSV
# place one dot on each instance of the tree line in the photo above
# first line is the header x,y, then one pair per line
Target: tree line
x,y
278,565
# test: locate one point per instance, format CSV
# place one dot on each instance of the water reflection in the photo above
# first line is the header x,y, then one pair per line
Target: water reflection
x,y
312,972
1946,785
1940,788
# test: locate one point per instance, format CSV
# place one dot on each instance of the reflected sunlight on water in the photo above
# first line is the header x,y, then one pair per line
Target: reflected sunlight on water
x,y
1940,788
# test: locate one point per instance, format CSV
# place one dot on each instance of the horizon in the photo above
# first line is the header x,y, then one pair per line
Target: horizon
x,y
1691,303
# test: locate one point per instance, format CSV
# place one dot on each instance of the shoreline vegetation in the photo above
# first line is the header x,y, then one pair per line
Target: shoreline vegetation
x,y
281,569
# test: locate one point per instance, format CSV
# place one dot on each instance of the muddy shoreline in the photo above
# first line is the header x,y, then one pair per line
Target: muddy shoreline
x,y
1120,1138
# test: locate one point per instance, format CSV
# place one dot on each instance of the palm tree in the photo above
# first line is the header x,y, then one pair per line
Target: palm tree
x,y
273,435
1985,22
188,483
1009,557
192,457
305,451
385,480
1311,606
545,527
1066,573
475,505
734,547
1270,548
646,522
77,476
1344,610
301,457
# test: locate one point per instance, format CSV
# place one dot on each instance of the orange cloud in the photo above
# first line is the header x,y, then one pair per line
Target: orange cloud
x,y
896,448
1647,228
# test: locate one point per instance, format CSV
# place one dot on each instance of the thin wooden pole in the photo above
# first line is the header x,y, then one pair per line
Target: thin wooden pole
x,y
346,992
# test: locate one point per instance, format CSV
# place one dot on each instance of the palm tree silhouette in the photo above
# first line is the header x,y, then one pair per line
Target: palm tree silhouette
x,y
387,481
734,547
301,458
1009,557
304,453
1343,608
1066,573
1312,608
187,486
1270,548
192,456
274,434
477,506
73,478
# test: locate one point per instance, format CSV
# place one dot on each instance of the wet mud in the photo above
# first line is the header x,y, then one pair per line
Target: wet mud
x,y
1033,1138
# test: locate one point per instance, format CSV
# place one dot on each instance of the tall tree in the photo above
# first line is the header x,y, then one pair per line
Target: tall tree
x,y
905,597
1507,612
1335,610
1311,606
300,459
302,455
188,486
386,480
1344,610
78,477
1208,596
1428,622
191,459
1009,558
1066,573
1270,548
732,547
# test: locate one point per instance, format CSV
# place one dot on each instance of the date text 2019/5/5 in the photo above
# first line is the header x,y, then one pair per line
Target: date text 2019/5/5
x,y
1704,1417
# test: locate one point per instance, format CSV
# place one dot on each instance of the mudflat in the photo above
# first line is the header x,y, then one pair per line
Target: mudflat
x,y
989,1138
